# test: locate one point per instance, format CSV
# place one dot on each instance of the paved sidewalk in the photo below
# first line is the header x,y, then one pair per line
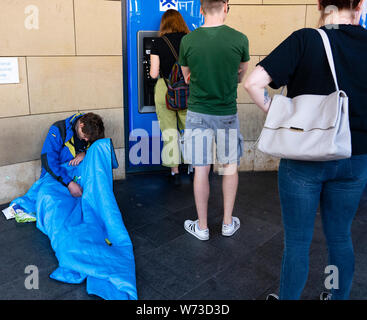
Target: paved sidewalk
x,y
171,264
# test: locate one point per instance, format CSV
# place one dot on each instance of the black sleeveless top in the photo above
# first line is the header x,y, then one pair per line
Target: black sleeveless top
x,y
161,49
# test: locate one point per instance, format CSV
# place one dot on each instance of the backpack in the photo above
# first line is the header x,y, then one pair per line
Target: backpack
x,y
177,89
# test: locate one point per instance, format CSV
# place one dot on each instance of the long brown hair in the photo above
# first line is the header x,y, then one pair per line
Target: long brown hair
x,y
172,21
340,4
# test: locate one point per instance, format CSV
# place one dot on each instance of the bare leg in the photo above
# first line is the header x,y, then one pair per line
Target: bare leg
x,y
229,188
201,193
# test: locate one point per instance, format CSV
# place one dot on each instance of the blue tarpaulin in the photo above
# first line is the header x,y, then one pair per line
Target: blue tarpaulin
x,y
87,234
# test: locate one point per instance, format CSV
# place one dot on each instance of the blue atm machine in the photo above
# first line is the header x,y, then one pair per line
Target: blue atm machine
x,y
140,26
364,15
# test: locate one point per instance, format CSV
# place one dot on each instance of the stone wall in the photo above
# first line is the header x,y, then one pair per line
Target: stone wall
x,y
69,54
266,23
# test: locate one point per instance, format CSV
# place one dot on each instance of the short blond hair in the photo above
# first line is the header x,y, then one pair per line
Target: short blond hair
x,y
212,6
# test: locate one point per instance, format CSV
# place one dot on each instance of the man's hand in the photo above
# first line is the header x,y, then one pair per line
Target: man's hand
x,y
186,73
79,158
75,189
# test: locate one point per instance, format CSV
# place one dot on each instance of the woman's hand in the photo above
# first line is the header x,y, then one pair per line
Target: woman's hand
x,y
79,158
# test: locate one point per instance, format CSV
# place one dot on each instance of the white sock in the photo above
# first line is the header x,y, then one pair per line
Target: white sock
x,y
200,228
229,225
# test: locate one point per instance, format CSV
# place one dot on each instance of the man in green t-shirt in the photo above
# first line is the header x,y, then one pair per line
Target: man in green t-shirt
x,y
214,58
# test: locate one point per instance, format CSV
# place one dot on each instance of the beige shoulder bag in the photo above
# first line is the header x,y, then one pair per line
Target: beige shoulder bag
x,y
309,127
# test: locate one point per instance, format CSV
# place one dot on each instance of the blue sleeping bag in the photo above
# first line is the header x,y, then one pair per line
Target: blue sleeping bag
x,y
87,234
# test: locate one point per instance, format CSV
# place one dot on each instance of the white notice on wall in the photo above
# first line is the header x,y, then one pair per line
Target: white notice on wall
x,y
9,70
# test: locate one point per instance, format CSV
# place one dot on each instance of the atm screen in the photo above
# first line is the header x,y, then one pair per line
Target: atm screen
x,y
149,83
145,82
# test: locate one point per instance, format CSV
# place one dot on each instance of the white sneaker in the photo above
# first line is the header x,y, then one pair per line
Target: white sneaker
x,y
272,296
229,229
193,228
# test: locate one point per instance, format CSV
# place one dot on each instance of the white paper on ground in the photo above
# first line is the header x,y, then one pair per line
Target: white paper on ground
x,y
9,213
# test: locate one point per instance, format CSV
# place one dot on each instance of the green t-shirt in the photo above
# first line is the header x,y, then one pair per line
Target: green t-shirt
x,y
214,55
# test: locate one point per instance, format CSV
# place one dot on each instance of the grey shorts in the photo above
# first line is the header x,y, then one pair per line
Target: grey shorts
x,y
202,130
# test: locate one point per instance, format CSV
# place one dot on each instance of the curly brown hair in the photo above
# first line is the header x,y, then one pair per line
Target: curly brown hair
x,y
93,126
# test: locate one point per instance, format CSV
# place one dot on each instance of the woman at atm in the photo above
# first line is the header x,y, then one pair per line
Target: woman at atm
x,y
174,28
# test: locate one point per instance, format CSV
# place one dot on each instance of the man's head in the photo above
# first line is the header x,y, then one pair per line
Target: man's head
x,y
90,127
212,7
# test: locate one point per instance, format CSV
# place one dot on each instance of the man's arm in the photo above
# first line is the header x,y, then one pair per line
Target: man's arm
x,y
242,71
78,159
256,85
186,73
50,156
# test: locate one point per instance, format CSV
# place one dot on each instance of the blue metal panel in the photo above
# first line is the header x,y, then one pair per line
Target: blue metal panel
x,y
364,15
145,15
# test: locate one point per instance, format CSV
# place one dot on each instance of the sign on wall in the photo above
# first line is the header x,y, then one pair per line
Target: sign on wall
x,y
9,70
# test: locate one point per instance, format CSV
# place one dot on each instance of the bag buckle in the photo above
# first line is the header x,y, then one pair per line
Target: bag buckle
x,y
296,129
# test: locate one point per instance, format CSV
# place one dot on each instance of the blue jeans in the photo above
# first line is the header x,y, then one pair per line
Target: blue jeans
x,y
337,186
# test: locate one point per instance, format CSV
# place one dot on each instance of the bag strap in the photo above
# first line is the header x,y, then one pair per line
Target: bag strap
x,y
329,54
171,47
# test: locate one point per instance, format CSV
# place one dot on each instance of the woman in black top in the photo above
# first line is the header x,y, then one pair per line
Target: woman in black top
x,y
174,28
300,62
